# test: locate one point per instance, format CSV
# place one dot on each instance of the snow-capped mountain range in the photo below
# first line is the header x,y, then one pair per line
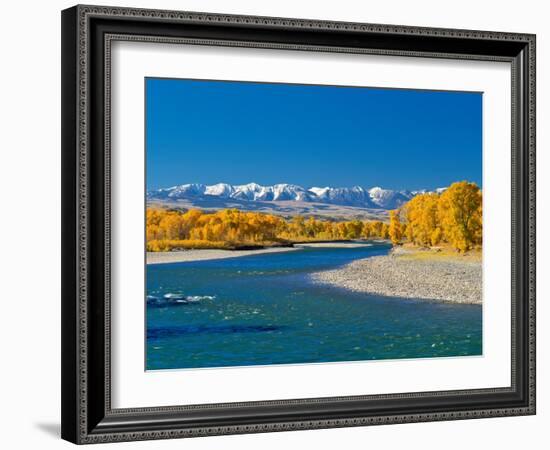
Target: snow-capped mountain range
x,y
357,196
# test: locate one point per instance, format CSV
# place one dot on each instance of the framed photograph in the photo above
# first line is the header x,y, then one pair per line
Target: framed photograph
x,y
278,224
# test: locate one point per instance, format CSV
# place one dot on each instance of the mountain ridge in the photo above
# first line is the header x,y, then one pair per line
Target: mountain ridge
x,y
356,196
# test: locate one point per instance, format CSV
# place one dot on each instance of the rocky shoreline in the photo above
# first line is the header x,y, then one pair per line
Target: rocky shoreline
x,y
451,280
208,254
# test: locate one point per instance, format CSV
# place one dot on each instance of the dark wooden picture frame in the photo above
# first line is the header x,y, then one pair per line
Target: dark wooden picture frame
x,y
87,33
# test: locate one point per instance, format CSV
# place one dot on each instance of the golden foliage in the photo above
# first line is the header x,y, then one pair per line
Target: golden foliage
x,y
460,212
422,218
453,217
396,227
167,245
167,230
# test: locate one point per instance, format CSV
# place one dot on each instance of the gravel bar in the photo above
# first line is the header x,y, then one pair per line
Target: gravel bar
x,y
208,254
449,280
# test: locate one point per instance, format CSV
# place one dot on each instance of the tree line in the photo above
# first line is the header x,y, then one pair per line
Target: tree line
x,y
229,228
428,219
453,217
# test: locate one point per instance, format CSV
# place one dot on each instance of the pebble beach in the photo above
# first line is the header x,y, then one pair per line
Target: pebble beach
x,y
208,254
395,275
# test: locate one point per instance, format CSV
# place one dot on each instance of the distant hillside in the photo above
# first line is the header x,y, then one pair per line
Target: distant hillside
x,y
285,199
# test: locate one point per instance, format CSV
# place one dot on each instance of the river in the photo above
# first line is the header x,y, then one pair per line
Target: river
x,y
263,309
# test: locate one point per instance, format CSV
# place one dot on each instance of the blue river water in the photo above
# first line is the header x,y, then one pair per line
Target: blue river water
x,y
264,309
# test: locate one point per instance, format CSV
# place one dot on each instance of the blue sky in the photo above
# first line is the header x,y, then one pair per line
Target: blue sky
x,y
236,132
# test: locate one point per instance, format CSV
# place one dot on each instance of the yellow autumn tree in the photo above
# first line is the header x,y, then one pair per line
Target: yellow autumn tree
x,y
376,228
396,228
171,229
366,232
422,219
453,217
460,213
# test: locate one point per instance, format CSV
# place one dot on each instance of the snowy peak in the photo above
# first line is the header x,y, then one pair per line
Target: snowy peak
x,y
388,199
290,192
356,196
320,192
223,190
181,191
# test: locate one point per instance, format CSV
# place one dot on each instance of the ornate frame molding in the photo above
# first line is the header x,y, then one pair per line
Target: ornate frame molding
x,y
80,423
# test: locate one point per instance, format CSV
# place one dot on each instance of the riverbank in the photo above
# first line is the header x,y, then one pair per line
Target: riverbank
x,y
208,254
337,244
412,273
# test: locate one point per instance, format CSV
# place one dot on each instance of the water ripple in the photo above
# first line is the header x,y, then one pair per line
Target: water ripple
x,y
162,332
